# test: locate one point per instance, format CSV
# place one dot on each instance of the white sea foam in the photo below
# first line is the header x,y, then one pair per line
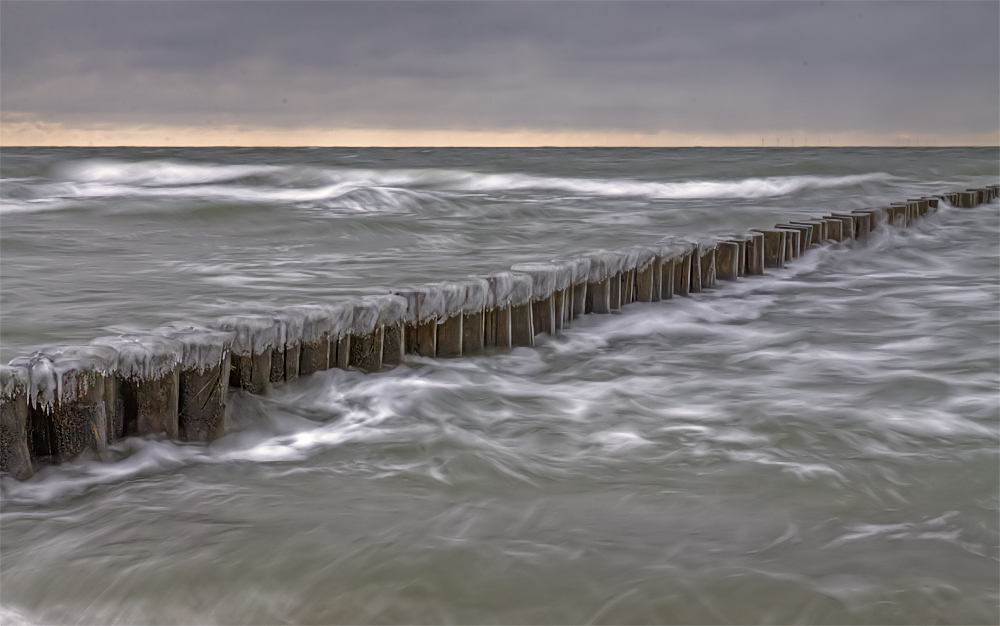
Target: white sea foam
x,y
107,178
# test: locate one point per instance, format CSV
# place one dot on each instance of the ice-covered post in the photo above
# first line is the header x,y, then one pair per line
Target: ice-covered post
x,y
365,351
599,284
685,259
391,319
15,458
647,289
496,319
326,335
286,353
665,260
203,382
423,305
544,277
577,303
149,381
255,339
473,318
522,324
449,323
629,259
694,282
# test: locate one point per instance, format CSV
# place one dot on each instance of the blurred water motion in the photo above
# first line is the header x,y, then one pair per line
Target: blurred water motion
x,y
819,445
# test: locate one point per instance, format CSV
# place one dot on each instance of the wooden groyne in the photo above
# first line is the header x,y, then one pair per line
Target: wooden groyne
x,y
174,381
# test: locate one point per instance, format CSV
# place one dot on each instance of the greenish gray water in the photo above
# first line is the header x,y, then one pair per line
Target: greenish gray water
x,y
819,445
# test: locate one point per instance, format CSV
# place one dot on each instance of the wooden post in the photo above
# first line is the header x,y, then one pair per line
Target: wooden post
x,y
805,234
755,254
256,336
847,225
473,319
834,229
522,326
203,380
15,458
682,271
694,284
727,255
645,274
423,305
817,236
391,319
287,349
598,297
707,265
149,380
365,351
496,320
774,247
862,225
546,280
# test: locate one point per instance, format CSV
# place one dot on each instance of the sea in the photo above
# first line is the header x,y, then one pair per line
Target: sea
x,y
819,445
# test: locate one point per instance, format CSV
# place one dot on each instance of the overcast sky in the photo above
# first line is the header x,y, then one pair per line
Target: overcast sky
x,y
414,72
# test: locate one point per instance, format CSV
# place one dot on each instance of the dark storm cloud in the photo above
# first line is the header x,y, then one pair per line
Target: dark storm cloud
x,y
705,67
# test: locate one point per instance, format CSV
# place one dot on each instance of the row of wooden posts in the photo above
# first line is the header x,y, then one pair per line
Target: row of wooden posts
x,y
62,402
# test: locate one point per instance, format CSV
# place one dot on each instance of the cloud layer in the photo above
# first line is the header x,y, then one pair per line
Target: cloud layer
x,y
668,70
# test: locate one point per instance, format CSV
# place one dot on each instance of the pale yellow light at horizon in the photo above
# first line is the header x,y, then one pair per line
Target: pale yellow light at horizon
x,y
50,134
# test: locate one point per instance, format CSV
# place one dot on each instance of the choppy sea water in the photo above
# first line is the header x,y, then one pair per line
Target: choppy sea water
x,y
818,445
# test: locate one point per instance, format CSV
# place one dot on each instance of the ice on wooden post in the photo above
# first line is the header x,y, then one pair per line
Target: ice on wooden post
x,y
562,293
367,335
449,323
496,318
727,260
149,382
598,298
669,257
576,303
326,335
15,457
423,305
203,382
629,259
391,319
645,274
685,258
72,396
546,278
694,280
473,315
287,350
255,339
522,324
107,359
